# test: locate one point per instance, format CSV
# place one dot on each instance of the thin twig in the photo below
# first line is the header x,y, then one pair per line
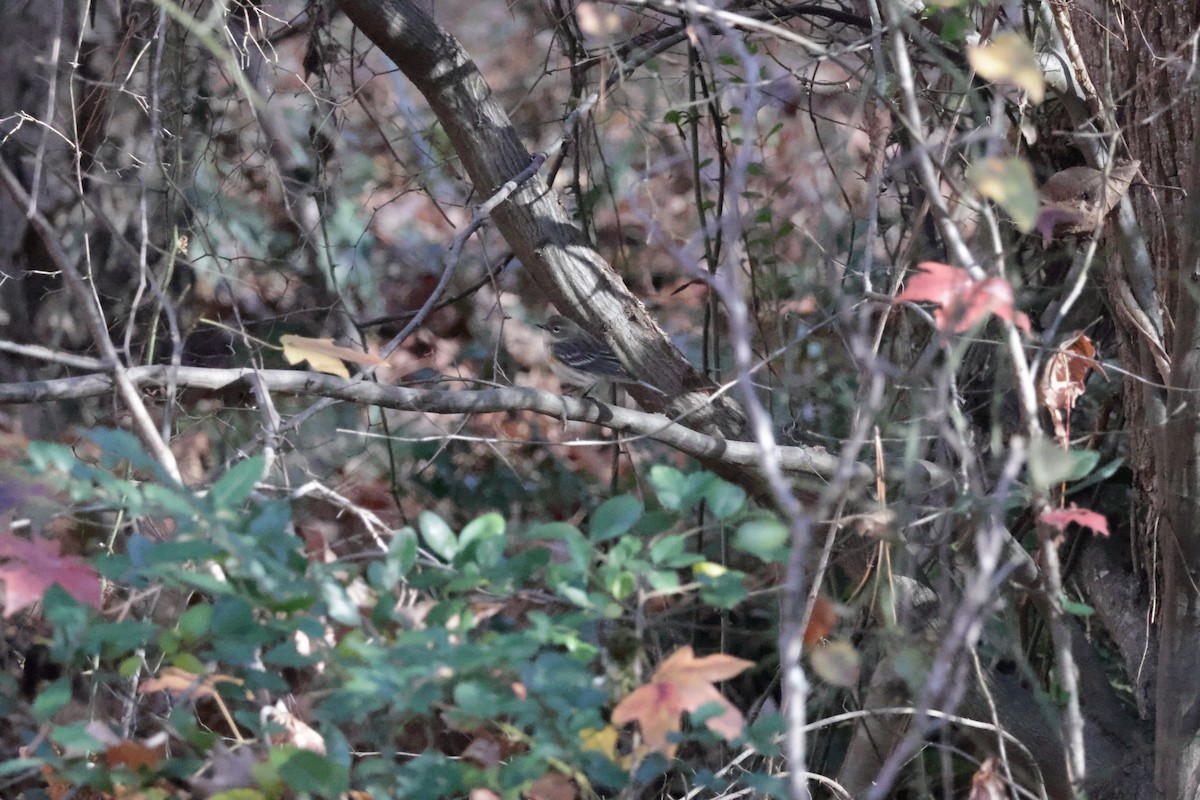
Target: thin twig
x,y
94,318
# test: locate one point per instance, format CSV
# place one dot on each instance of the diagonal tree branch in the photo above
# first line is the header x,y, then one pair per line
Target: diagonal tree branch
x,y
552,249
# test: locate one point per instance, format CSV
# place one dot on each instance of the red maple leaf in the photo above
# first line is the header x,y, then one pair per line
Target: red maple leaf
x,y
1062,517
31,566
962,301
682,683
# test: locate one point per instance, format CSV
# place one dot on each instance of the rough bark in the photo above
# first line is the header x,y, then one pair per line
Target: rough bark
x,y
1139,55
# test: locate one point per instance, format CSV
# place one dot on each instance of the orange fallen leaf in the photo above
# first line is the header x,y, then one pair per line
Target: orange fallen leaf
x,y
682,683
128,753
820,624
178,682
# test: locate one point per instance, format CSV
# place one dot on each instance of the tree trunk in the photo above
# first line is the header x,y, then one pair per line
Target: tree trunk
x,y
1141,50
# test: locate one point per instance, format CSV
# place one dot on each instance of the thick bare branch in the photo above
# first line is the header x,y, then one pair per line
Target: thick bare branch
x,y
533,221
629,423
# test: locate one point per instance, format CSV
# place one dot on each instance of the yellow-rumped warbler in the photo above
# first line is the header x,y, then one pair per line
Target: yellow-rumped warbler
x,y
580,359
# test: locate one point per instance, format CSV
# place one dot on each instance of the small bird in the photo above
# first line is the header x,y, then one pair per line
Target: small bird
x,y
1077,199
580,359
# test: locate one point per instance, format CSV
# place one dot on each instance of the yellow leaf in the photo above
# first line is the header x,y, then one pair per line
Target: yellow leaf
x,y
836,663
323,355
604,742
1008,182
708,569
1009,58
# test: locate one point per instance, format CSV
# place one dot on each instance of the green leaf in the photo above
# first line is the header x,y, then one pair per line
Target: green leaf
x,y
341,607
237,483
482,542
306,771
438,535
1078,609
195,621
51,699
667,548
1098,476
724,499
668,483
188,663
117,445
622,585
487,526
20,765
765,537
615,517
177,504
723,591
653,523
1051,466
403,549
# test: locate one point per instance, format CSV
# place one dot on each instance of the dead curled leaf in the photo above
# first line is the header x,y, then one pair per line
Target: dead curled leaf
x,y
1062,381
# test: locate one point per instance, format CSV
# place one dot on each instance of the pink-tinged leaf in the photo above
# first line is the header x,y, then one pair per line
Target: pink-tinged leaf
x,y
1060,518
30,567
962,301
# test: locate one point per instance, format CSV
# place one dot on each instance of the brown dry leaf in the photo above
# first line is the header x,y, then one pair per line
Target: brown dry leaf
x,y
483,752
295,732
128,753
552,786
682,683
1076,200
179,682
872,524
323,355
1062,381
